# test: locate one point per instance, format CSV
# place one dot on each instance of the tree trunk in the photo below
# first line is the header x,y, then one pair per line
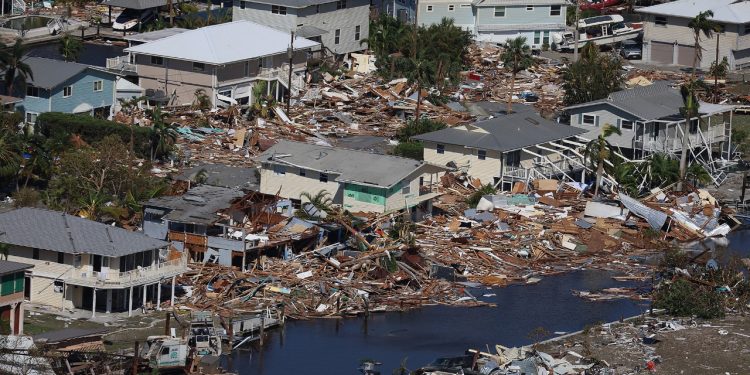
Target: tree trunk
x,y
696,51
510,93
684,151
716,76
419,100
599,173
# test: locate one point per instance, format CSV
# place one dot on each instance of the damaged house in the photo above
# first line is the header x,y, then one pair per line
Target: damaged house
x,y
216,60
651,121
358,181
83,264
226,225
521,146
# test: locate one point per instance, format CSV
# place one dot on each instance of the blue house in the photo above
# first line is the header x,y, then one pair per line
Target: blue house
x,y
60,86
499,20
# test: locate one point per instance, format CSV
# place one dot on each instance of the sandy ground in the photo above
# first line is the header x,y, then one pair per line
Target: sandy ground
x,y
719,346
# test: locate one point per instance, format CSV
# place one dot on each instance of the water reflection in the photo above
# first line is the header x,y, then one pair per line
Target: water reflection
x,y
335,346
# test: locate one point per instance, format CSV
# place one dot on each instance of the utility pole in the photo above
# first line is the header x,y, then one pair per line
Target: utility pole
x,y
290,54
575,32
716,69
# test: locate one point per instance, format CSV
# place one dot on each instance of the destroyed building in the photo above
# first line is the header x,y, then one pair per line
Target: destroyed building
x,y
506,149
651,121
357,181
83,264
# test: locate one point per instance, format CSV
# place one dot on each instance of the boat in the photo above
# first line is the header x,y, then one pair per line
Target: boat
x,y
600,30
600,4
203,336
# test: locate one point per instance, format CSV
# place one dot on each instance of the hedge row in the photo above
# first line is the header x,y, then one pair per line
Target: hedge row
x,y
92,130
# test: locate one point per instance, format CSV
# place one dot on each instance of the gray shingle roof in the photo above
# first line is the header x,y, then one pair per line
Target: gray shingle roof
x,y
223,175
348,165
7,266
57,231
136,4
199,205
293,3
505,133
49,73
655,101
57,336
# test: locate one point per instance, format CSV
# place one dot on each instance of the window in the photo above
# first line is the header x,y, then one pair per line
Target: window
x,y
105,261
58,286
31,117
60,257
32,91
655,130
530,8
341,4
465,5
199,67
429,8
545,39
499,11
555,10
337,36
67,91
537,37
451,7
279,170
440,149
156,60
302,172
357,32
406,189
276,9
660,20
323,177
513,159
747,28
242,5
481,154
247,68
626,124
35,253
8,285
317,8
588,119
98,85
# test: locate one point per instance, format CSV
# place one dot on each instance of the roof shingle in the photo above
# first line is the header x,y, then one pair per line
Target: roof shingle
x,y
58,231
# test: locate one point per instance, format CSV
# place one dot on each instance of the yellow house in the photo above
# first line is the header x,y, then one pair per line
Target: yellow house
x,y
83,264
358,181
506,149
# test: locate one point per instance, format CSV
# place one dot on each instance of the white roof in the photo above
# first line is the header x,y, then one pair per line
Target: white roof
x,y
222,44
730,11
127,86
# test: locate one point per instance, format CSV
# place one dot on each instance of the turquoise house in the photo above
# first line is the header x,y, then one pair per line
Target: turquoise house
x,y
499,20
60,86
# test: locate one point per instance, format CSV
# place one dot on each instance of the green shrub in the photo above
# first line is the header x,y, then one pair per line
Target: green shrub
x,y
683,298
422,126
410,149
92,130
475,197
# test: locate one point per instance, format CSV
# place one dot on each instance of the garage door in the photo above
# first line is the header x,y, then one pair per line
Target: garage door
x,y
685,55
661,52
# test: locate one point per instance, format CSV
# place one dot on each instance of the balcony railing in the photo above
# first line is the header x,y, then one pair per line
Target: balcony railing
x,y
120,63
137,276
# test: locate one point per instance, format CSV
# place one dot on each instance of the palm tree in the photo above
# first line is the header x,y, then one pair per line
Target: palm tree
x,y
322,203
701,24
662,170
516,57
688,111
163,135
70,47
598,150
10,156
419,71
15,69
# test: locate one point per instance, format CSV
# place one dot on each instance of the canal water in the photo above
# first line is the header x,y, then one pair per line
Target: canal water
x,y
336,346
95,54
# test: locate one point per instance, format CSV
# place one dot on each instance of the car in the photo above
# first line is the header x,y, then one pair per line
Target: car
x,y
131,18
630,50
